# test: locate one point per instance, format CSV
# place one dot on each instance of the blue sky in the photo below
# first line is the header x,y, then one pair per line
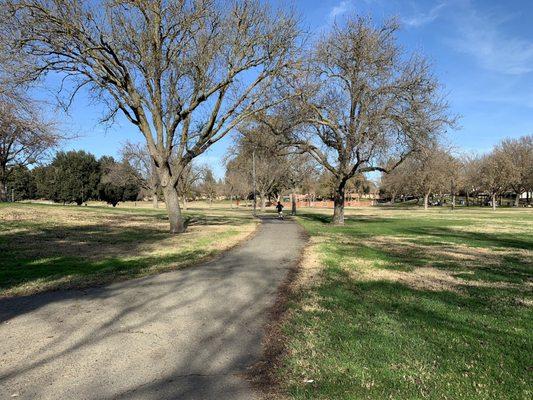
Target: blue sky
x,y
481,50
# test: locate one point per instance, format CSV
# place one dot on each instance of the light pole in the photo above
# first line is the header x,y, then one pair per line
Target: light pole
x,y
253,178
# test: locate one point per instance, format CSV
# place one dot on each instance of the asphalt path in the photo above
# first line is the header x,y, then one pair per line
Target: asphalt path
x,y
186,334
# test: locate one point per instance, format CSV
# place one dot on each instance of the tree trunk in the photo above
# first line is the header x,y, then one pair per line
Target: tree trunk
x,y
453,201
263,203
467,198
3,183
426,201
293,204
155,200
231,201
393,198
184,202
338,204
173,209
494,202
3,192
517,200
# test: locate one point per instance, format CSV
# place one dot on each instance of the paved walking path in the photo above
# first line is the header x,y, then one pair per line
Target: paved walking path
x,y
186,334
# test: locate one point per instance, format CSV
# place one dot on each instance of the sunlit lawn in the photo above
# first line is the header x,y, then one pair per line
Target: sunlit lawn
x,y
45,247
407,304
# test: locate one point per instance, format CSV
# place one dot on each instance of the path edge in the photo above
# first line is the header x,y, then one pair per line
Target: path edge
x,y
263,373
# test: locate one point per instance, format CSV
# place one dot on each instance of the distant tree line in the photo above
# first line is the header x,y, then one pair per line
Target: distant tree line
x,y
437,173
76,177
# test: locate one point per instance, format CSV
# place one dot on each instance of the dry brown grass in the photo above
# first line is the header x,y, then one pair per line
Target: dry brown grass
x,y
445,267
34,237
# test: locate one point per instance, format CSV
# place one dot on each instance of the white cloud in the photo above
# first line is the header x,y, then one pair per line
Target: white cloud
x,y
482,37
341,8
424,18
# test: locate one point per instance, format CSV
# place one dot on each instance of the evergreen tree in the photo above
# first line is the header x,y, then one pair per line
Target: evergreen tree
x,y
118,181
75,177
21,183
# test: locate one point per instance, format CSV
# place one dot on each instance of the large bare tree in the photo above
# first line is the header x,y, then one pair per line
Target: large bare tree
x,y
185,72
362,102
25,136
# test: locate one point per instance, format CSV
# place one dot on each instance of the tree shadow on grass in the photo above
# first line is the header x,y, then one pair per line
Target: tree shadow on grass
x,y
77,272
442,341
465,263
416,243
326,219
437,235
100,252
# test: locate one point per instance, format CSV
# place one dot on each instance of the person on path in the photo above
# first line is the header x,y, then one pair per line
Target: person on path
x,y
279,207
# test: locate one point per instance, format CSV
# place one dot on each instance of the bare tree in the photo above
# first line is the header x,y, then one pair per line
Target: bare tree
x,y
184,72
138,156
209,185
301,176
25,136
237,182
471,182
190,176
421,174
430,172
517,154
362,102
454,174
396,183
493,175
272,163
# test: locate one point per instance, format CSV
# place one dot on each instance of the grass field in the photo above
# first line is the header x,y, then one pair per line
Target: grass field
x,y
45,247
407,304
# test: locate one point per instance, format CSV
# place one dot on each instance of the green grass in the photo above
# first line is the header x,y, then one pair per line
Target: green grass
x,y
45,247
414,305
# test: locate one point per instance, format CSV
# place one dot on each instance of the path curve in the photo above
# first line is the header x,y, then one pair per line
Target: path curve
x,y
187,334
